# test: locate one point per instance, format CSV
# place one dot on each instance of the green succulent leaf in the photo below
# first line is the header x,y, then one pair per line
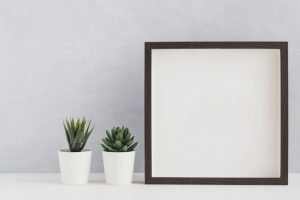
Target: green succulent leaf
x,y
120,136
124,148
73,126
129,143
118,144
113,133
67,135
109,136
87,135
70,132
106,143
105,147
131,148
126,138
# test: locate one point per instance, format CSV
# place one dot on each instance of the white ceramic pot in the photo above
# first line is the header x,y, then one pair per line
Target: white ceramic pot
x,y
75,166
118,167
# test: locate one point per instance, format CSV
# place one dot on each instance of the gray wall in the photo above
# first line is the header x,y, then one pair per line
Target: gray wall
x,y
85,58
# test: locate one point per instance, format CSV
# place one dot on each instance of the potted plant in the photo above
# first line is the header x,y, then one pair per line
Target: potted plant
x,y
118,156
75,162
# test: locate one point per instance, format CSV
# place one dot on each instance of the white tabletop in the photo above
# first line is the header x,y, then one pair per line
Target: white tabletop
x,y
48,187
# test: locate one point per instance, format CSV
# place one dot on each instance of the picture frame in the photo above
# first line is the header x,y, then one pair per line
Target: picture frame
x,y
216,113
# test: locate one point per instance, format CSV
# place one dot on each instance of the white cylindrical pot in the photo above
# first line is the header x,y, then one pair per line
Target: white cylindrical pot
x,y
75,166
118,167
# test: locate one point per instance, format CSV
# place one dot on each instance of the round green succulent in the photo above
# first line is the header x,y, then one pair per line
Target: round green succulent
x,y
118,140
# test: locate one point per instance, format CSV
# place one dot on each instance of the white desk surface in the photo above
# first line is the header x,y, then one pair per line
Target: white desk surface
x,y
48,187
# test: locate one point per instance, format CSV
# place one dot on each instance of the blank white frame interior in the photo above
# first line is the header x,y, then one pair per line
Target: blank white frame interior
x,y
216,113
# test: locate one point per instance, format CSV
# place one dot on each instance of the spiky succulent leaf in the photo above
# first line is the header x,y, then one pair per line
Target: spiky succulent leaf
x,y
109,136
129,143
80,131
131,148
105,147
86,136
113,133
73,125
127,137
108,144
67,135
70,132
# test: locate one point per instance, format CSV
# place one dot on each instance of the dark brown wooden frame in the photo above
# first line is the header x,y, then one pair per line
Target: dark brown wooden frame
x,y
283,46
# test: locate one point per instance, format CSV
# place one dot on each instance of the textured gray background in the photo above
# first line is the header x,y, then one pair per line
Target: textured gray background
x,y
85,58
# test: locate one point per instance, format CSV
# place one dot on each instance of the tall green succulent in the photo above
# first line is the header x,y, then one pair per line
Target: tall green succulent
x,y
118,140
77,134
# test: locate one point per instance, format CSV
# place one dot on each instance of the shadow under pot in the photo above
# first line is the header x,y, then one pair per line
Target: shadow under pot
x,y
75,166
